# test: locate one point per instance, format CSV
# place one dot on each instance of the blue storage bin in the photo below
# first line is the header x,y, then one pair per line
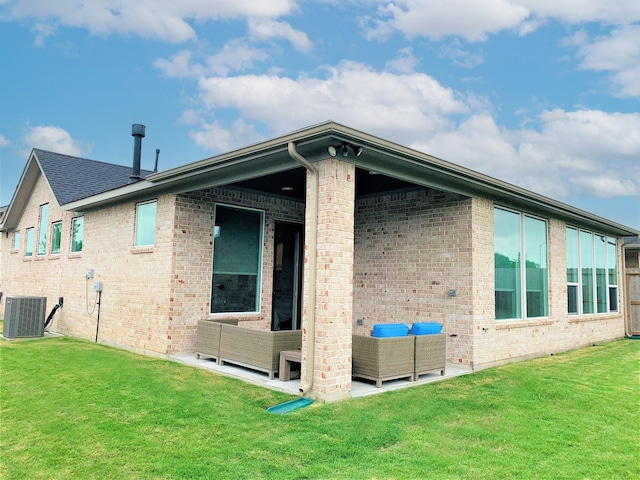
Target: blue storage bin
x,y
382,330
425,328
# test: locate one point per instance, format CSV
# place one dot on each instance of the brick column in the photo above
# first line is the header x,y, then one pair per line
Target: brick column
x,y
334,282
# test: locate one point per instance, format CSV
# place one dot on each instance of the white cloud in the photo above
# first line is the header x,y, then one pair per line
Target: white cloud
x,y
582,11
617,53
165,20
352,93
405,61
235,56
213,136
266,29
460,56
55,139
4,142
474,21
434,19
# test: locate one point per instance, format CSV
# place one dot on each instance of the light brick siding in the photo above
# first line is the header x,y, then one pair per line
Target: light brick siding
x,y
383,259
334,282
193,255
134,303
502,341
411,248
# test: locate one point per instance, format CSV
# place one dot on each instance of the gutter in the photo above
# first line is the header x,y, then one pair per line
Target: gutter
x,y
312,241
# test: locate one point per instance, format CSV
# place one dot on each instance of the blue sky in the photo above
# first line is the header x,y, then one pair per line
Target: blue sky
x,y
544,94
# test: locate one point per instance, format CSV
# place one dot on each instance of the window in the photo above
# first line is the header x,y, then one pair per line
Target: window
x,y
42,233
28,249
237,260
16,240
145,223
592,274
56,234
77,234
520,263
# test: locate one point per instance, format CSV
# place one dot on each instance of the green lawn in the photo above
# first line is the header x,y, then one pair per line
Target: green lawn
x,y
72,409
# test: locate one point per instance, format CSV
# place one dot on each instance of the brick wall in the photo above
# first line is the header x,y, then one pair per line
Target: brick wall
x,y
501,341
152,296
411,249
190,291
133,307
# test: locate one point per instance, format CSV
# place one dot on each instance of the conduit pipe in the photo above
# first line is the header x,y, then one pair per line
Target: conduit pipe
x,y
312,241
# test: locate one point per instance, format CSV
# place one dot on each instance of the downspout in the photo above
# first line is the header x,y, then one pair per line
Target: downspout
x,y
627,311
312,241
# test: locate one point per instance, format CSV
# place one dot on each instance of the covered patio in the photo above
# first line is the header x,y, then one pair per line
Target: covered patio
x,y
358,388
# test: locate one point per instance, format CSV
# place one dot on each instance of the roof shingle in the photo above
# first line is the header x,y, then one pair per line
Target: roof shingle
x,y
74,178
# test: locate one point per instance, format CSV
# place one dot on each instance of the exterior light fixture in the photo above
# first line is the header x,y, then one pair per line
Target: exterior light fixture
x,y
343,148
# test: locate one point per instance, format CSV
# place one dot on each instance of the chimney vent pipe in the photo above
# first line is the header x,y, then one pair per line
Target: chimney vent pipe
x,y
137,132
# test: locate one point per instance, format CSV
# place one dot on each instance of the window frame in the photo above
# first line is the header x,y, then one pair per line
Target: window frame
x,y
142,231
74,240
15,245
29,241
56,236
259,260
521,294
609,291
41,248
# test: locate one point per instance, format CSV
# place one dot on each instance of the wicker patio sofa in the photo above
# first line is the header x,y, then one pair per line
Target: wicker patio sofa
x,y
208,337
256,349
430,354
382,359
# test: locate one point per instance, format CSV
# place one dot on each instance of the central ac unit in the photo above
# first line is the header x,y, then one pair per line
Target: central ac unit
x,y
24,317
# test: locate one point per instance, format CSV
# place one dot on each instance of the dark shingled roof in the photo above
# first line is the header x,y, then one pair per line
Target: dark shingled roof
x,y
73,178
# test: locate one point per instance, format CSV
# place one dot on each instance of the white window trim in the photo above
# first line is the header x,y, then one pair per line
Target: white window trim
x,y
594,288
523,269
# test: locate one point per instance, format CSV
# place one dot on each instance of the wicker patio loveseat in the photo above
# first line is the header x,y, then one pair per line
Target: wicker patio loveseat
x,y
256,349
208,337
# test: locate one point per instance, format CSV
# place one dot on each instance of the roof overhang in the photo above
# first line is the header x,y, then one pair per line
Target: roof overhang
x,y
21,194
379,155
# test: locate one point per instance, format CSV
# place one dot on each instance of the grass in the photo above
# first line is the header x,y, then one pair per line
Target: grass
x,y
72,409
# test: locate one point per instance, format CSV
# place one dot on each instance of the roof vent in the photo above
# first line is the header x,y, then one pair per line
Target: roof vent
x,y
137,131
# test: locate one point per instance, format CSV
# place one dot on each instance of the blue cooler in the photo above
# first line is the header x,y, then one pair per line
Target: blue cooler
x,y
382,330
425,328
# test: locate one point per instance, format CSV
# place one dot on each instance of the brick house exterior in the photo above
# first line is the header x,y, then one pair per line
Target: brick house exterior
x,y
391,235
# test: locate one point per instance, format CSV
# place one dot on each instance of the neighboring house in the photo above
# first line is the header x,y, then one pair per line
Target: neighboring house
x,y
327,229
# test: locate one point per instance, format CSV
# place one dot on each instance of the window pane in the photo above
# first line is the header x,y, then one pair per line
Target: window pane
x,y
56,233
16,240
586,264
237,249
572,255
145,223
77,234
613,299
601,272
507,258
44,225
28,250
535,234
572,299
612,261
